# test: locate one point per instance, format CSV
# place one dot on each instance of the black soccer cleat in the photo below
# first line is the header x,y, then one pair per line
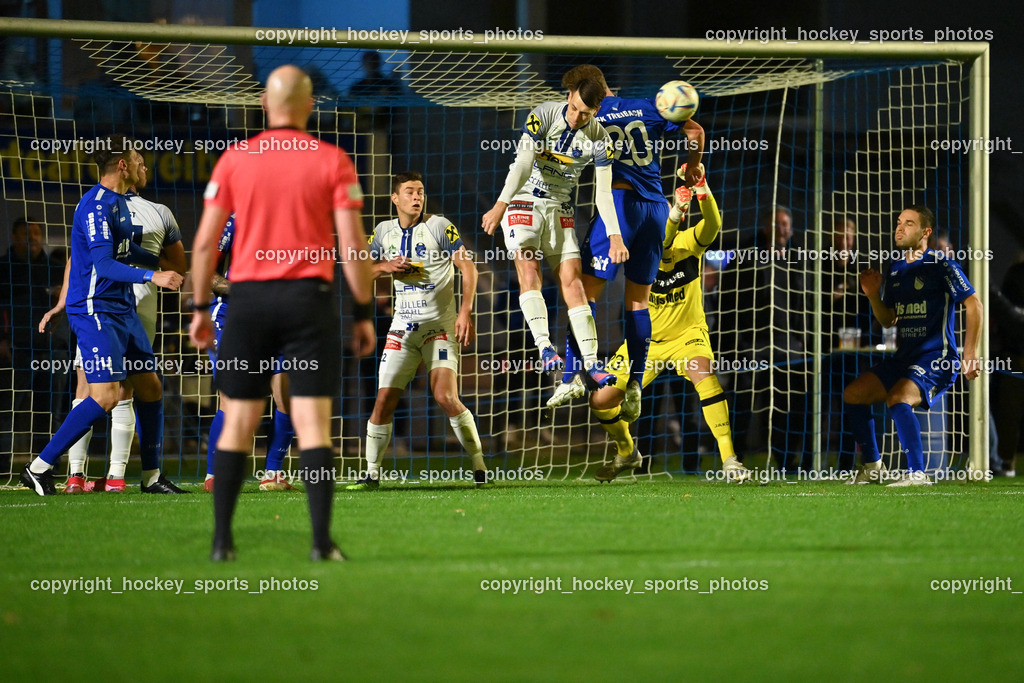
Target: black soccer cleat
x,y
161,485
480,478
332,553
42,483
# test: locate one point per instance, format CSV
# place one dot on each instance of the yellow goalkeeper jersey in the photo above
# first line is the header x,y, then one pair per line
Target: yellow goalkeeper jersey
x,y
677,295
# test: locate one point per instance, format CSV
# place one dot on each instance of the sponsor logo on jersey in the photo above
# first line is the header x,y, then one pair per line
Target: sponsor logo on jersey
x,y
393,343
452,233
421,250
437,337
533,124
568,222
520,219
548,155
520,205
600,263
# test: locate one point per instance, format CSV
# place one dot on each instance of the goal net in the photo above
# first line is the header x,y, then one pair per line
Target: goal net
x,y
829,150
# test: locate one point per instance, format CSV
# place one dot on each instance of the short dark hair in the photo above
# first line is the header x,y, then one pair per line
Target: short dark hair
x,y
572,78
926,215
121,147
591,92
769,218
405,177
22,223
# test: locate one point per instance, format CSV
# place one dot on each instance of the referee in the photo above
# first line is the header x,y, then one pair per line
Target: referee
x,y
290,193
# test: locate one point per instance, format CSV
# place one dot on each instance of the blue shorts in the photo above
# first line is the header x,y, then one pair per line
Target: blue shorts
x,y
642,223
933,374
112,346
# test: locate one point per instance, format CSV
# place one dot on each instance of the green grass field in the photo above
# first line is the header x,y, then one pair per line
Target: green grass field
x,y
843,578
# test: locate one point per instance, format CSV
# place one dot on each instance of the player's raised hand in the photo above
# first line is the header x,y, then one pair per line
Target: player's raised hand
x,y
465,333
691,175
399,264
870,282
492,219
680,204
617,251
167,279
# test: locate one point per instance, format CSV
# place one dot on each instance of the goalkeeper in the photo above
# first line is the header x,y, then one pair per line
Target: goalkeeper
x,y
679,337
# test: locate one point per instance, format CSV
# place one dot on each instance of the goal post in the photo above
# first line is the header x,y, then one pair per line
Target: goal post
x,y
833,131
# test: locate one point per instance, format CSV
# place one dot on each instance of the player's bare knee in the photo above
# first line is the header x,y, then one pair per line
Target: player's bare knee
x,y
105,395
449,403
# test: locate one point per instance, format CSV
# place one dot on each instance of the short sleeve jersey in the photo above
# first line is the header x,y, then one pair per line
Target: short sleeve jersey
x,y
923,293
427,294
283,186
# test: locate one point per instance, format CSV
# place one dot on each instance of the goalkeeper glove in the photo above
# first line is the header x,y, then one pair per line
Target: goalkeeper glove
x,y
680,204
700,189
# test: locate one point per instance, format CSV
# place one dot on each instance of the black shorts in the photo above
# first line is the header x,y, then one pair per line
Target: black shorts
x,y
287,325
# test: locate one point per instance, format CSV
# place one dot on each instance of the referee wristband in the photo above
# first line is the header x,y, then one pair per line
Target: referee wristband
x,y
362,312
198,307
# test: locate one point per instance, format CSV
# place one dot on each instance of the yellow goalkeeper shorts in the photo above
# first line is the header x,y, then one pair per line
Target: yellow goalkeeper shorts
x,y
672,354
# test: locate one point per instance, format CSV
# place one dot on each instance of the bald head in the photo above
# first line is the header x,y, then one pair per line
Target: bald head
x,y
288,99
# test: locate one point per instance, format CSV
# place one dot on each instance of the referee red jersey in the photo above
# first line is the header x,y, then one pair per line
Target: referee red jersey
x,y
283,186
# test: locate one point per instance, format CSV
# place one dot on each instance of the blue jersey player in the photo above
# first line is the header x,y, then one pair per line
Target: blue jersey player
x,y
281,438
917,295
636,129
101,311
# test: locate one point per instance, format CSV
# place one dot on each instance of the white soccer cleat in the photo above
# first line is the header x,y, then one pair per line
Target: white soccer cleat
x,y
735,471
868,473
913,479
631,403
620,465
567,392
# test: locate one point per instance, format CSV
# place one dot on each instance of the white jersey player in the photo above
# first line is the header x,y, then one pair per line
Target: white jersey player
x,y
160,233
421,253
537,217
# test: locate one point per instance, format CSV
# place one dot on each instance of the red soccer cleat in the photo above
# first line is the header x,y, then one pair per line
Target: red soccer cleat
x,y
208,485
75,485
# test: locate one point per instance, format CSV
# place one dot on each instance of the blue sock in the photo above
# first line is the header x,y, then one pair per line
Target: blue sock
x,y
75,425
862,426
149,420
638,341
280,441
211,443
908,429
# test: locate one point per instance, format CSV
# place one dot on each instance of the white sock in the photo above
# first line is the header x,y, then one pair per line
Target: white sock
x,y
78,454
377,439
122,433
465,430
38,466
535,310
208,477
581,320
149,477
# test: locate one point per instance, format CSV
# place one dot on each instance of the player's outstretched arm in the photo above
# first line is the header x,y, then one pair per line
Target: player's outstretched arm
x,y
871,285
464,330
706,232
358,271
61,300
605,202
975,316
517,176
695,136
172,257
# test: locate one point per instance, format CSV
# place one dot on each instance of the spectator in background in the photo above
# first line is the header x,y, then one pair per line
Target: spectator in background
x,y
374,122
30,280
764,324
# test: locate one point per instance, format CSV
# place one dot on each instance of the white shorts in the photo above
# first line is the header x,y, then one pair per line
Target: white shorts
x,y
541,227
432,344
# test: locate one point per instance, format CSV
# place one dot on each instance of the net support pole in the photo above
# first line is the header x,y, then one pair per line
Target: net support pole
x,y
978,183
817,325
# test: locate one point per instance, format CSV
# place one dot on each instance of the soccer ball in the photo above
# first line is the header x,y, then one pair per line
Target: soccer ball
x,y
676,101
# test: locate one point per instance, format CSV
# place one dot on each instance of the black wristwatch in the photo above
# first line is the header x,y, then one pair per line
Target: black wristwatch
x,y
199,307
